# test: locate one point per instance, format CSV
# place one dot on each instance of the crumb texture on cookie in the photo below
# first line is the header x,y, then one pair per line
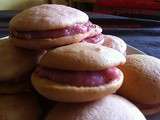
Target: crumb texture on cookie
x,y
15,62
112,107
82,57
142,79
47,17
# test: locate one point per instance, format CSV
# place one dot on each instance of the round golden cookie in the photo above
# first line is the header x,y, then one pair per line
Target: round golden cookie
x,y
142,79
115,43
15,62
111,107
19,107
66,93
47,17
82,57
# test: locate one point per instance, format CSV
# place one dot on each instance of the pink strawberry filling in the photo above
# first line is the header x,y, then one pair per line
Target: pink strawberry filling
x,y
95,39
79,78
68,31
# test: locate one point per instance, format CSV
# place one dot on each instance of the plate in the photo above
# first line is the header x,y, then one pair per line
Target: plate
x,y
130,50
3,38
133,50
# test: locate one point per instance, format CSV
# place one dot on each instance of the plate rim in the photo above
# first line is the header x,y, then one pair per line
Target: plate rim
x,y
129,47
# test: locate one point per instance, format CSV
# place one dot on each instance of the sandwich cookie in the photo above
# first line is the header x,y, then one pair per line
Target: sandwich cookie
x,y
111,107
142,82
78,72
16,66
109,41
50,25
115,43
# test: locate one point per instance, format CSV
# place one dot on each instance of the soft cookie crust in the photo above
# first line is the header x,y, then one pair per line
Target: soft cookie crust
x,y
82,57
142,79
15,62
111,107
47,17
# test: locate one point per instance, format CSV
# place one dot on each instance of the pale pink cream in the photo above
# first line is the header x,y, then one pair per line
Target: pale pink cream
x,y
94,39
68,31
79,78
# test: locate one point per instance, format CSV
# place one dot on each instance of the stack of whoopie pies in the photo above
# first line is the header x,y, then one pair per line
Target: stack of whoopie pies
x,y
56,50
